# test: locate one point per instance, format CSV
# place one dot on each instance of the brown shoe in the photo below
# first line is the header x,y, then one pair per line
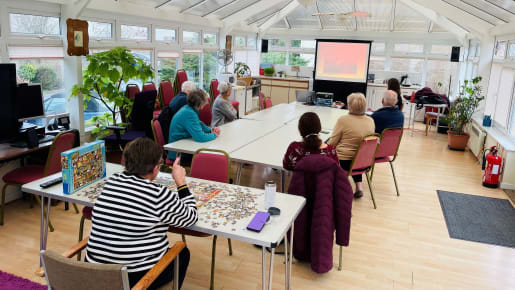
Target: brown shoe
x,y
358,194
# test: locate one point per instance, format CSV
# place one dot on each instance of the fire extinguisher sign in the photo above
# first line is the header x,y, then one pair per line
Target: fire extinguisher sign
x,y
495,169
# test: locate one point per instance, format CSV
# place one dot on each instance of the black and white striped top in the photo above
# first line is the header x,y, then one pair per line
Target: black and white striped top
x,y
131,218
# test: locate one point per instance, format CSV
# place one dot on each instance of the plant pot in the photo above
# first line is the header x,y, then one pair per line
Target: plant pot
x,y
457,142
246,79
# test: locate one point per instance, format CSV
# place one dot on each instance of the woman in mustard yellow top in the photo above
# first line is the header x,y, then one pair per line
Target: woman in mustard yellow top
x,y
348,132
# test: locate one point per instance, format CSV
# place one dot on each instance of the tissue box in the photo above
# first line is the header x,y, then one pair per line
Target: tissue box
x,y
83,165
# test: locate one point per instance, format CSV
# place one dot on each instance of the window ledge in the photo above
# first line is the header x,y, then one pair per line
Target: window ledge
x,y
505,140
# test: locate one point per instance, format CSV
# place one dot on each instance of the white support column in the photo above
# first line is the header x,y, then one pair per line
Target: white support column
x,y
485,66
73,70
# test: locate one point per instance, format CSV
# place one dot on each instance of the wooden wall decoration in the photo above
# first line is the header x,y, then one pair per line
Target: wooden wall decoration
x,y
228,42
77,36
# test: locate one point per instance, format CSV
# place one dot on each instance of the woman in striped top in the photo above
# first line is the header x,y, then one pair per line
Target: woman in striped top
x,y
132,215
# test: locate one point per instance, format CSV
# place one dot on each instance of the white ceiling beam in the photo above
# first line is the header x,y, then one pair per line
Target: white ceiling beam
x,y
220,8
193,6
249,11
430,14
74,8
164,4
143,11
431,24
319,17
507,28
392,23
280,14
287,22
476,25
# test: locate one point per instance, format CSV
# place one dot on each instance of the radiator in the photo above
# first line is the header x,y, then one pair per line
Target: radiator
x,y
477,140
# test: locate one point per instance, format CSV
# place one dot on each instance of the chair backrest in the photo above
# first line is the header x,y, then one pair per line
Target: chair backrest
x,y
261,101
180,77
150,86
62,142
142,110
205,115
166,92
211,164
268,103
365,156
131,90
69,274
390,141
213,90
158,132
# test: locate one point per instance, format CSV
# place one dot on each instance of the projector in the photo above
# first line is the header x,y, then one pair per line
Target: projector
x,y
324,99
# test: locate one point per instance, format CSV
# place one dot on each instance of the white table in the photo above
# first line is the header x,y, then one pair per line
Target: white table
x,y
271,235
234,135
413,109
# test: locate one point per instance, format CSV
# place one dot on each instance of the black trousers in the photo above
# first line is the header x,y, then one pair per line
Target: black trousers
x,y
345,165
167,275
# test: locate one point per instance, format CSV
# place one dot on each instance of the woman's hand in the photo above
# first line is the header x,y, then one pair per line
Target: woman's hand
x,y
215,130
178,173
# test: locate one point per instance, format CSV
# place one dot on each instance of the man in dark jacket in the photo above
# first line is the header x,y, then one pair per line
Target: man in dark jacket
x,y
389,115
166,116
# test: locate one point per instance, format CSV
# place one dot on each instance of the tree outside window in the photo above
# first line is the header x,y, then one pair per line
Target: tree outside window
x,y
191,64
273,58
166,69
301,59
34,24
210,68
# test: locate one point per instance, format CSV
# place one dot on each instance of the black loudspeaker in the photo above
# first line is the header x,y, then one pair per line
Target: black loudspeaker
x,y
455,54
32,138
264,45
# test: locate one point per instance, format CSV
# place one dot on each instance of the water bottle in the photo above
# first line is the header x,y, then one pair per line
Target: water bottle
x,y
270,189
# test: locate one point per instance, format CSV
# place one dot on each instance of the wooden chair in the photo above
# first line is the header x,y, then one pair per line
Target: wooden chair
x,y
62,142
215,165
388,150
64,273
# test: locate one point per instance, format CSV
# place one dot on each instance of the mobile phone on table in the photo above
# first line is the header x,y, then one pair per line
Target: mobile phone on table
x,y
258,222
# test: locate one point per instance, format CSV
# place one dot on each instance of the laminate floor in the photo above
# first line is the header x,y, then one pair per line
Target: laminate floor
x,y
403,244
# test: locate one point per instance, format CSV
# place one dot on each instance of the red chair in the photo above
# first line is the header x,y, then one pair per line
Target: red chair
x,y
205,115
131,90
165,93
213,90
149,86
268,103
214,166
159,138
261,101
180,77
388,150
364,159
62,142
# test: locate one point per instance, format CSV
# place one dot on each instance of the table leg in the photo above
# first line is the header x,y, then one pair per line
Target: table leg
x,y
238,173
263,270
291,254
47,218
411,119
176,274
437,121
286,263
271,270
41,227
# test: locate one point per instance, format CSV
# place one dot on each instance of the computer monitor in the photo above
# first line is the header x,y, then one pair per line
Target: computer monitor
x,y
9,125
29,102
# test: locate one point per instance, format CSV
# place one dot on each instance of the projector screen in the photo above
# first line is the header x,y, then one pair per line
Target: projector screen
x,y
342,61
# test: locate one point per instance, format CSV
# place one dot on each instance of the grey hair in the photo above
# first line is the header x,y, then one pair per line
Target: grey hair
x,y
197,98
188,86
224,87
390,98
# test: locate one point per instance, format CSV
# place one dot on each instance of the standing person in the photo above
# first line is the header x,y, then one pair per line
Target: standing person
x,y
389,115
186,123
309,129
348,132
132,215
395,85
223,111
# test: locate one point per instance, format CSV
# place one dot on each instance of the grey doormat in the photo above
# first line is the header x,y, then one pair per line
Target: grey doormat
x,y
478,218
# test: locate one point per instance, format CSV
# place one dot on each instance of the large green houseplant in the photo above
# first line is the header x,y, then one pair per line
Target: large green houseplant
x,y
102,80
462,111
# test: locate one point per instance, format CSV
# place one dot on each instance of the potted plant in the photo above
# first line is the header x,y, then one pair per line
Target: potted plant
x,y
269,71
461,113
242,71
102,80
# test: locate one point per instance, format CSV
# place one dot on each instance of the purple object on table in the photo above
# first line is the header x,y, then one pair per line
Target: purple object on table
x,y
259,221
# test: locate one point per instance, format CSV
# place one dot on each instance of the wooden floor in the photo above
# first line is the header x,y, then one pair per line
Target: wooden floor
x,y
404,244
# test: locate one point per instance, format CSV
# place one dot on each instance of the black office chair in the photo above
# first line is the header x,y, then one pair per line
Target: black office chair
x,y
140,117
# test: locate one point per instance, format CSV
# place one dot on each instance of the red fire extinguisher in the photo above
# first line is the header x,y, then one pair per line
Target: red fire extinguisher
x,y
493,163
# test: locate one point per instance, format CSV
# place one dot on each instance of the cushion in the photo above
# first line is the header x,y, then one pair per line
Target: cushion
x,y
24,174
382,159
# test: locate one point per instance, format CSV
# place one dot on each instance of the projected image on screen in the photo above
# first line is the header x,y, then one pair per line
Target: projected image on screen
x,y
342,61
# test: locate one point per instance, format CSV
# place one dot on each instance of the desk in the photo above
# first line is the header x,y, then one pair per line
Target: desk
x,y
271,235
7,152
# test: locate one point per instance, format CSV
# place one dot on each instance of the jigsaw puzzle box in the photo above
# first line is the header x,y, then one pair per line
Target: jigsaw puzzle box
x,y
83,165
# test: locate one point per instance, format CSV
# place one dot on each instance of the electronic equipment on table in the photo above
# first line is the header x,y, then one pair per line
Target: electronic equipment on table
x,y
324,99
51,182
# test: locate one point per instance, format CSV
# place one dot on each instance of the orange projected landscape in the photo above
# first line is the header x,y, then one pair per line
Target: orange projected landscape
x,y
342,61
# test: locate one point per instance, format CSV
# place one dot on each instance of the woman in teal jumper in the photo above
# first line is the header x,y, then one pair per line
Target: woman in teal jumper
x,y
186,122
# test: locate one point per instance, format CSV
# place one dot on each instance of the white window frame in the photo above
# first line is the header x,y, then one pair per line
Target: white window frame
x,y
119,32
234,41
397,53
383,53
505,49
113,29
32,35
154,34
191,45
207,45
